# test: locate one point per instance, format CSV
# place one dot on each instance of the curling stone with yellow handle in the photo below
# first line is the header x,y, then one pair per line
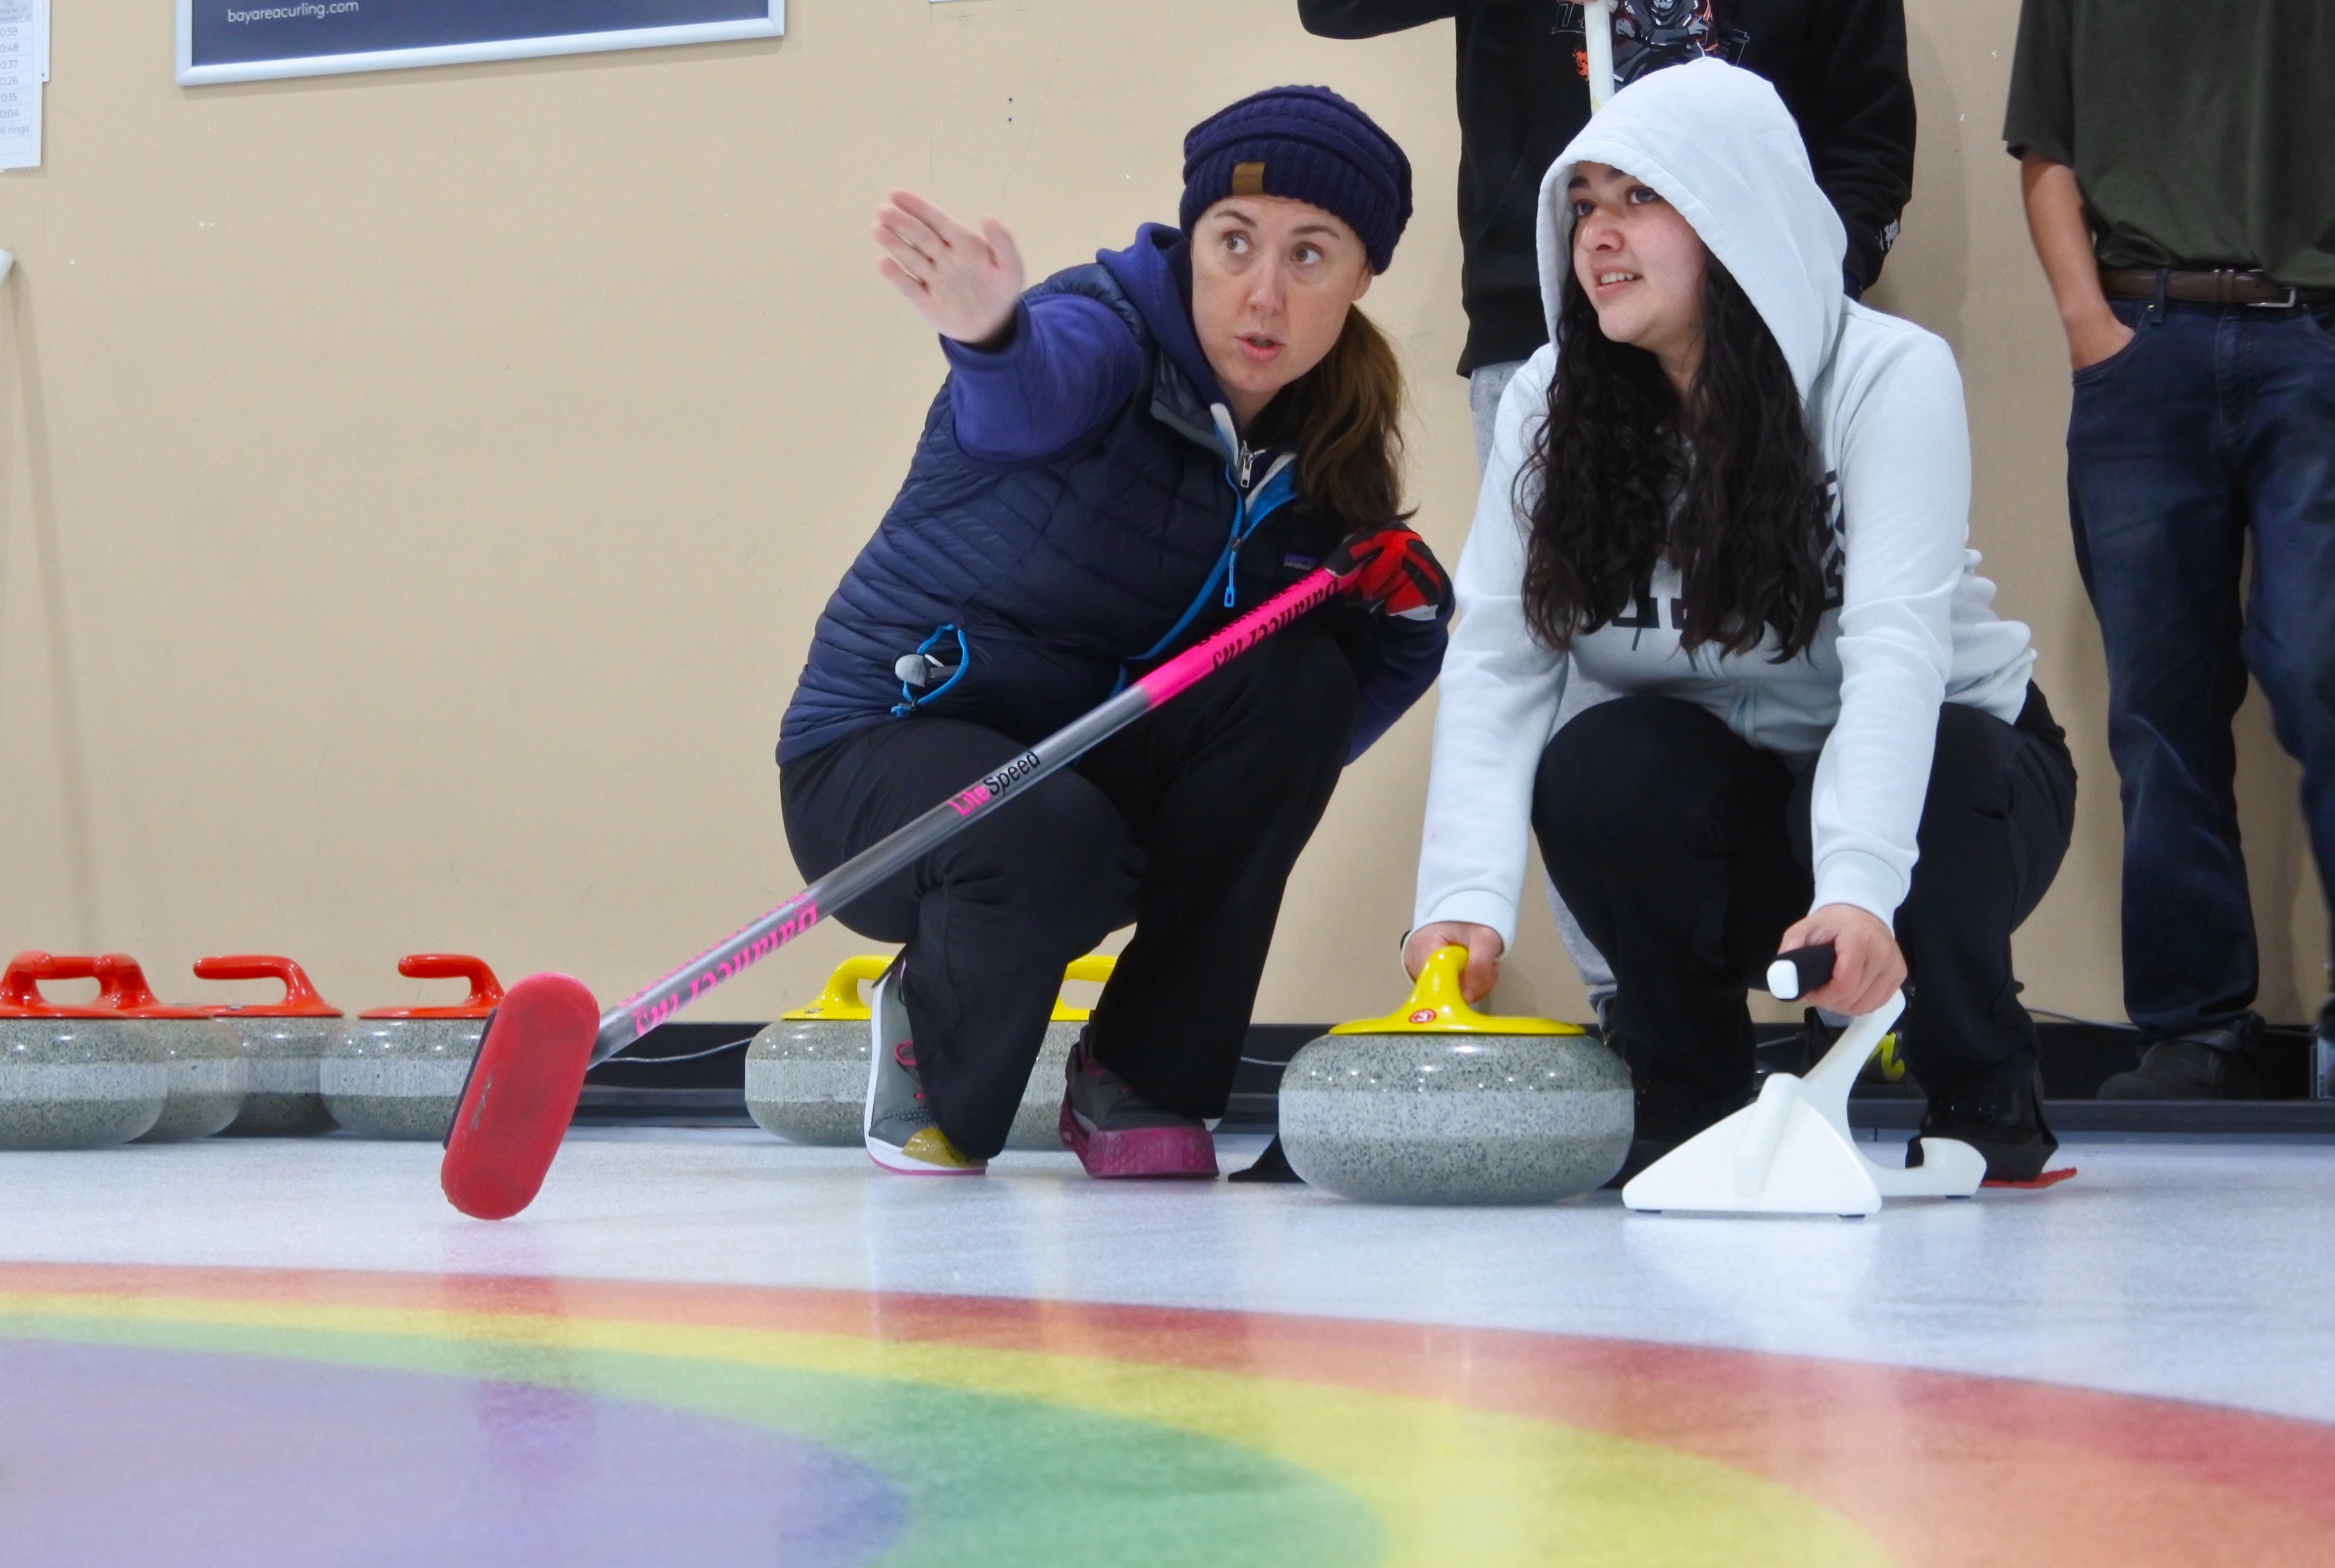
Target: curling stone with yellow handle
x,y
807,1074
1437,1103
209,1071
1038,1122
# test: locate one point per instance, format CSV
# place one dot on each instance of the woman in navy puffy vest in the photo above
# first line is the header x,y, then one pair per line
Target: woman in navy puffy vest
x,y
1123,458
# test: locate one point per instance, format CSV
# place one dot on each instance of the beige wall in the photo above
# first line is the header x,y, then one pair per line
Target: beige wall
x,y
418,487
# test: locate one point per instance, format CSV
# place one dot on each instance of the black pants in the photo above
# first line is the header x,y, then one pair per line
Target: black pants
x,y
1186,823
1684,852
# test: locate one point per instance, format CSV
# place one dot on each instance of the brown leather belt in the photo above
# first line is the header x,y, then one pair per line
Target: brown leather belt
x,y
2227,287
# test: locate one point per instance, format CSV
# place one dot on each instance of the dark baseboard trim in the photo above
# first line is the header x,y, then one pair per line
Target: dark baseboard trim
x,y
693,1075
603,1106
2170,1118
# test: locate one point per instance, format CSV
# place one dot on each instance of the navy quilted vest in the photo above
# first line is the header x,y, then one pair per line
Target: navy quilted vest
x,y
1057,574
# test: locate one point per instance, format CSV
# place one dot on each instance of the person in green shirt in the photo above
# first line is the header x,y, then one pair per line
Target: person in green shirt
x,y
2178,161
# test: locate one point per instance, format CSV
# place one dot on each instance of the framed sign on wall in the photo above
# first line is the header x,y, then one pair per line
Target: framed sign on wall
x,y
257,40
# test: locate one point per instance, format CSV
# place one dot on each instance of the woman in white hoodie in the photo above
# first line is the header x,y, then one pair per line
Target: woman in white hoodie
x,y
1742,500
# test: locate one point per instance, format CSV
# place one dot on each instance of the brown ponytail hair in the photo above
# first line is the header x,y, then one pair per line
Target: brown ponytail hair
x,y
1345,417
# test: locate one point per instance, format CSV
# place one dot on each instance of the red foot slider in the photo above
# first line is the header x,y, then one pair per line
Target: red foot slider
x,y
2049,1178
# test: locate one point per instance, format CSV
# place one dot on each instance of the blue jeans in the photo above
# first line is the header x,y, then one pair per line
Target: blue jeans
x,y
2211,424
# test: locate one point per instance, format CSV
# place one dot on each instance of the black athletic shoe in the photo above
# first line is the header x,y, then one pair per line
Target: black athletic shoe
x,y
1671,1109
1272,1165
2321,1086
1998,1112
1644,1152
2207,1064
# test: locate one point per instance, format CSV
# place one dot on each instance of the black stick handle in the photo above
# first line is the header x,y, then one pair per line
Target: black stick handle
x,y
1800,971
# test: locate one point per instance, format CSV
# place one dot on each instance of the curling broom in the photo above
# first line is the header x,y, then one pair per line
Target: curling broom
x,y
529,1071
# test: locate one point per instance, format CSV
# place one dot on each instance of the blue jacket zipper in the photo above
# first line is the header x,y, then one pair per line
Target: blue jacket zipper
x,y
1249,508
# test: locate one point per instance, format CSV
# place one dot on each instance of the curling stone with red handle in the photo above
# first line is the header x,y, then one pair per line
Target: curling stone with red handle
x,y
397,1072
71,1075
209,1074
287,1039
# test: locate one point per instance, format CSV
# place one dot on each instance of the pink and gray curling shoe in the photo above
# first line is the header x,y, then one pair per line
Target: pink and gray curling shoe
x,y
1115,1133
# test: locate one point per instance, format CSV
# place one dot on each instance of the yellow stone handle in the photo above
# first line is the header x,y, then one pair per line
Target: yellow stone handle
x,y
841,1001
1094,966
1439,980
840,998
1437,1007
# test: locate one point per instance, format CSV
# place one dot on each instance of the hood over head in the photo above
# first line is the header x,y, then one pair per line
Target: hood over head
x,y
1715,141
1155,271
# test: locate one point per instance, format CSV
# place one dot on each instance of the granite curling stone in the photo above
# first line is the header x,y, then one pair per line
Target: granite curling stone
x,y
807,1074
208,1071
72,1077
1439,1104
397,1072
1038,1119
287,1039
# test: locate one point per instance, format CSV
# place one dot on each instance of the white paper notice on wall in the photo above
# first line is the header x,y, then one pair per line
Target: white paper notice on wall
x,y
23,26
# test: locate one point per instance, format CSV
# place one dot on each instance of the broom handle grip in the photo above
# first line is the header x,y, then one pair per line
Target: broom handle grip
x,y
1803,969
1597,49
887,856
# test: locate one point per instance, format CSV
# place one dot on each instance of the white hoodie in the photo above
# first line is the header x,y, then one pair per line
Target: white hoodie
x,y
1884,403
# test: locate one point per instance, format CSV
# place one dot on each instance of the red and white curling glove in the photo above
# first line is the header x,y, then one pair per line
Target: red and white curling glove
x,y
1393,572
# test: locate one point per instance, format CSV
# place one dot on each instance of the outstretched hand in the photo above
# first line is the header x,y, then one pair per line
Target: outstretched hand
x,y
966,283
1867,964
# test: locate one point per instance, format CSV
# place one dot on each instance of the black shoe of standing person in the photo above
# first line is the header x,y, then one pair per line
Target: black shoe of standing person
x,y
1997,1110
2203,1064
2323,1056
1272,1165
1671,1110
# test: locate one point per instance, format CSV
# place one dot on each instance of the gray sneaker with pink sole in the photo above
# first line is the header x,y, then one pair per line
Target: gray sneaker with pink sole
x,y
1116,1133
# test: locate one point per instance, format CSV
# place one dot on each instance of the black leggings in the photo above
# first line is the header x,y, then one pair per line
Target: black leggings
x,y
1186,823
1684,852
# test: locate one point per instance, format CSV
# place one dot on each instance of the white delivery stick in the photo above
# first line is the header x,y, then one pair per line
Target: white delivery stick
x,y
1597,23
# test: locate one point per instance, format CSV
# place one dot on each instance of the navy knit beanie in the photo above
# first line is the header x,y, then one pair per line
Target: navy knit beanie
x,y
1310,145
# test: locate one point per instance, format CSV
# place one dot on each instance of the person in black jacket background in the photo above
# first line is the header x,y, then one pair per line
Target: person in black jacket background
x,y
1839,66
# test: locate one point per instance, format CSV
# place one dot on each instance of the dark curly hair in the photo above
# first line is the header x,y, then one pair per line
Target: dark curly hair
x,y
1728,486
